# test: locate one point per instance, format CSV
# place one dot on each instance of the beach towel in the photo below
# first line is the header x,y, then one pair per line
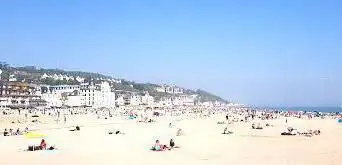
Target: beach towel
x,y
339,121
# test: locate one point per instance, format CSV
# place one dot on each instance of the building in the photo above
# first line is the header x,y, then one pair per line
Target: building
x,y
123,100
79,79
207,104
136,100
12,78
166,101
187,100
147,99
169,89
44,76
97,95
19,95
59,89
53,99
73,101
56,96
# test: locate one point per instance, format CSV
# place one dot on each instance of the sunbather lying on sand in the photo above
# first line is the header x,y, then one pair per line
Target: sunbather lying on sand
x,y
116,132
221,122
256,127
310,133
77,128
288,133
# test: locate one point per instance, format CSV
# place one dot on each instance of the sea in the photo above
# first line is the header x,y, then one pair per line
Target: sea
x,y
308,109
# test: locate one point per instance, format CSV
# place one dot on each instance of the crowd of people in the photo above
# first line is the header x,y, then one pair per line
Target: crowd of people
x,y
11,132
231,116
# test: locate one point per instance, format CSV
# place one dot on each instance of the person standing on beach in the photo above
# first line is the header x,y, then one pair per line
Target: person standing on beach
x,y
65,120
227,117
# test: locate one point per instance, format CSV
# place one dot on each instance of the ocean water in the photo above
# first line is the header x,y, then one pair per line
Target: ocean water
x,y
310,109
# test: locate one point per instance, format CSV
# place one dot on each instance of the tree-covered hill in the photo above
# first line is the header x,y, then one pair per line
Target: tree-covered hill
x,y
32,74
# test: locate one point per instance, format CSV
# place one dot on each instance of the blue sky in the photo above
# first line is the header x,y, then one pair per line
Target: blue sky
x,y
278,53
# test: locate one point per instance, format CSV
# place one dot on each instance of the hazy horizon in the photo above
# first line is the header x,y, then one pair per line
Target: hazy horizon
x,y
261,53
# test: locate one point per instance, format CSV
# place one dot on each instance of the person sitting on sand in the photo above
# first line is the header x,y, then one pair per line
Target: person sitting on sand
x,y
317,132
6,133
172,144
225,131
18,132
43,144
158,147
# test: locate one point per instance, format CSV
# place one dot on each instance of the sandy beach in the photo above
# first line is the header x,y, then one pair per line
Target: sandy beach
x,y
202,143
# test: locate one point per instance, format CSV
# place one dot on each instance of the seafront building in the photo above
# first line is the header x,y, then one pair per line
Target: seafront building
x,y
99,95
84,95
19,95
22,95
147,99
136,100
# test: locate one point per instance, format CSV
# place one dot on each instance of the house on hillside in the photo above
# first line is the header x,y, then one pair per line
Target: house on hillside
x,y
172,89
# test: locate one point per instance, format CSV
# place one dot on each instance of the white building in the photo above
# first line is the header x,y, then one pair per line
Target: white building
x,y
44,76
80,79
188,100
55,76
207,104
120,101
169,89
123,100
147,99
60,88
12,78
136,100
56,96
53,99
73,101
165,102
98,95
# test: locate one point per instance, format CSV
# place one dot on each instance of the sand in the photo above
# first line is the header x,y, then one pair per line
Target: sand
x,y
202,143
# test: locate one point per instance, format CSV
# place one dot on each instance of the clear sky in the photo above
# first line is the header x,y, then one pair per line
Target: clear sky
x,y
278,53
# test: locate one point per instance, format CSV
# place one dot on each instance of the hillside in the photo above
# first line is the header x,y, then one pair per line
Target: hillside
x,y
32,74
